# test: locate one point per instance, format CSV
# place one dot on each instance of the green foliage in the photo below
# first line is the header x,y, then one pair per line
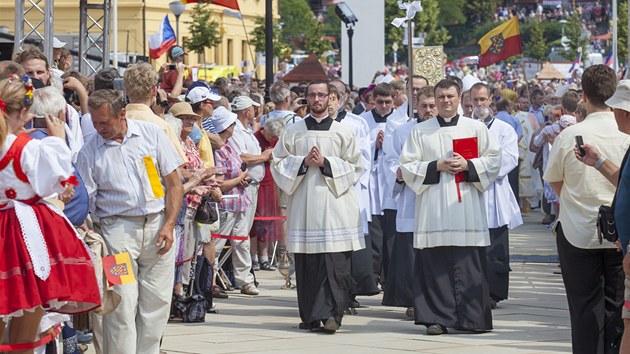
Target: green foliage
x,y
573,31
315,42
393,34
203,31
451,12
259,36
622,30
426,22
297,20
536,45
480,11
333,25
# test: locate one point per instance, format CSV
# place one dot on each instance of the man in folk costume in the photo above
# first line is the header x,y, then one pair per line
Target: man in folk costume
x,y
502,207
362,269
316,162
377,119
451,230
398,290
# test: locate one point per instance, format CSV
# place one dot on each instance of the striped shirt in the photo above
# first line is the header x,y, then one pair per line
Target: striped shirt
x,y
227,157
244,142
116,175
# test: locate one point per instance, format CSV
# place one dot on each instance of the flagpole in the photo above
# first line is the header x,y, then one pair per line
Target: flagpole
x,y
410,102
249,47
529,95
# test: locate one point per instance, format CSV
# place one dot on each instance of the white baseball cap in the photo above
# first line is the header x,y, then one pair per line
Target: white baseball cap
x,y
621,98
57,43
243,102
222,119
200,94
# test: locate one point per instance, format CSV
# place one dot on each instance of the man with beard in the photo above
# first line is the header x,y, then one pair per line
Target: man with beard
x,y
450,225
316,162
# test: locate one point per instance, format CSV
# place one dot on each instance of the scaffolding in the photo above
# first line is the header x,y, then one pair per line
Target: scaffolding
x,y
34,23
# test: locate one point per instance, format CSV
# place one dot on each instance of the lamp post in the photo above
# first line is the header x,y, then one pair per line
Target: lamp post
x,y
177,8
268,45
347,16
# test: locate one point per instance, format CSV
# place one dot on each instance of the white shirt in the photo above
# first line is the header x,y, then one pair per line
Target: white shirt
x,y
87,126
116,174
584,189
405,197
501,204
244,142
74,133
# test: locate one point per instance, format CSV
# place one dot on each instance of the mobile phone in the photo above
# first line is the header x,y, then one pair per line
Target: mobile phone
x,y
243,166
39,122
171,67
578,144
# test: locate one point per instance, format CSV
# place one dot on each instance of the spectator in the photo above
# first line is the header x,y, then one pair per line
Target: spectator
x,y
592,272
130,172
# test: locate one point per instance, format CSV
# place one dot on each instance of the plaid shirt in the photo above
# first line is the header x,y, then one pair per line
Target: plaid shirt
x,y
227,157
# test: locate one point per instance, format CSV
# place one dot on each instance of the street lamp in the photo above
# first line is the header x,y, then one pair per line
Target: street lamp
x,y
347,16
177,8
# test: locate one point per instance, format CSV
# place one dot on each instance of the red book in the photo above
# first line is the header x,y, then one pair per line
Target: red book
x,y
468,148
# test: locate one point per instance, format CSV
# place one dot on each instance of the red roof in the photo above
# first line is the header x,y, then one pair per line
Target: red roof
x,y
308,70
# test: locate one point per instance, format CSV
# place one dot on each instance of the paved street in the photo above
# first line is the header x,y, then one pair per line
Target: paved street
x,y
534,319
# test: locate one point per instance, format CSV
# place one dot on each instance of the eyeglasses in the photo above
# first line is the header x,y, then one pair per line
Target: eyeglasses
x,y
318,95
384,101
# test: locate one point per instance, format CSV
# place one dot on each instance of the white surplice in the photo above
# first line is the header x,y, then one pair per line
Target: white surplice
x,y
502,206
322,212
441,220
361,131
405,197
387,170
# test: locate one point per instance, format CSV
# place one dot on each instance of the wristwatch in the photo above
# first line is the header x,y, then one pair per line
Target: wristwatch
x,y
600,161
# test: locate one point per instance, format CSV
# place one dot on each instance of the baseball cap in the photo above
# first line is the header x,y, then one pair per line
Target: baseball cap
x,y
621,98
57,43
242,102
200,94
182,109
176,51
222,119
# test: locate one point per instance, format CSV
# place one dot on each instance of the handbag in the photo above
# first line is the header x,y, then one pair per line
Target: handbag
x,y
207,211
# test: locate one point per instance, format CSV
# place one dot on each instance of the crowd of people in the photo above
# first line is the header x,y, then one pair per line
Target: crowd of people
x,y
364,191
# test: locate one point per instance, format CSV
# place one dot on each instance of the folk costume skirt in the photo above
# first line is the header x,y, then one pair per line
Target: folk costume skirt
x,y
71,286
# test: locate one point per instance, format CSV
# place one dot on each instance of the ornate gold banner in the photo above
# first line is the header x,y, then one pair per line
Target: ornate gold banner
x,y
429,62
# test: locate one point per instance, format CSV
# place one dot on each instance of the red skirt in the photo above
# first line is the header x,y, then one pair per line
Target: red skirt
x,y
267,230
70,288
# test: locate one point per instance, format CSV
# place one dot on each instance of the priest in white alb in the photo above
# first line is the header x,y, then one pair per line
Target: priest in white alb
x,y
450,224
317,162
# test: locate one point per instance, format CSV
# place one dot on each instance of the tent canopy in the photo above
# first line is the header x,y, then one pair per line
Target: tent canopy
x,y
549,72
308,70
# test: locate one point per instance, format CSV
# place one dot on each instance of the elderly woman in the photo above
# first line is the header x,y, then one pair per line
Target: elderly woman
x,y
266,232
233,220
195,176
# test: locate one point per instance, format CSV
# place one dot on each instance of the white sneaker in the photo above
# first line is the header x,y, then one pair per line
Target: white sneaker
x,y
249,289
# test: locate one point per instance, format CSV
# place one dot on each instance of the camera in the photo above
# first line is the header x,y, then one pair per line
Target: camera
x,y
39,122
172,67
71,97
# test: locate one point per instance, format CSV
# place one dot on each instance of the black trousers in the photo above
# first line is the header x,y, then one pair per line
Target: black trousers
x,y
375,228
593,279
389,234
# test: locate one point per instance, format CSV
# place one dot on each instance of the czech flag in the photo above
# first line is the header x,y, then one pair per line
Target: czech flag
x,y
162,40
577,61
500,43
610,61
232,4
118,269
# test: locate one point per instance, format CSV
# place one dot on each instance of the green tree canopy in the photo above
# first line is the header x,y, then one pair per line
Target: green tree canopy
x,y
203,31
297,19
259,36
480,11
426,22
315,42
536,46
577,39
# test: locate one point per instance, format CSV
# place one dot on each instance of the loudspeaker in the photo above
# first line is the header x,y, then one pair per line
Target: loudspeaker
x,y
6,50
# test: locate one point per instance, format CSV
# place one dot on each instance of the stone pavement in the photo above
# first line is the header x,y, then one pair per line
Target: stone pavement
x,y
534,320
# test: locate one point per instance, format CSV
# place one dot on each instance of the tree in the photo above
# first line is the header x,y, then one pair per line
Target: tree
x,y
297,20
576,37
480,11
259,36
315,41
622,32
203,31
451,12
333,25
536,46
425,22
393,34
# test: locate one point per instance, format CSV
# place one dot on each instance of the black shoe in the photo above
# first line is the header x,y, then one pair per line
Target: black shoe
x,y
331,325
219,293
436,330
354,304
309,326
493,303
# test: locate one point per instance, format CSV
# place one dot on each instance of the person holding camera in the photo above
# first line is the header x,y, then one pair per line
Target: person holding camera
x,y
620,178
592,271
173,71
